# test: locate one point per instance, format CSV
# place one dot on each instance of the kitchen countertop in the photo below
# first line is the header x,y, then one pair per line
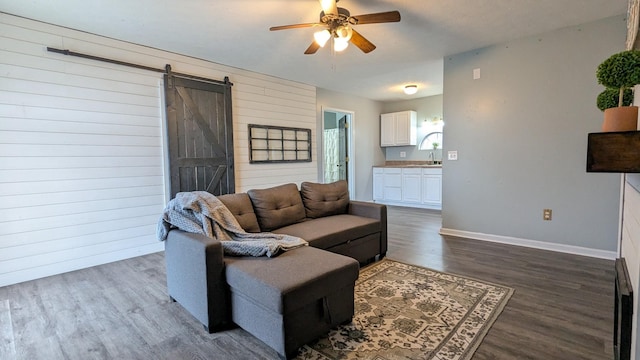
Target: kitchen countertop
x,y
408,164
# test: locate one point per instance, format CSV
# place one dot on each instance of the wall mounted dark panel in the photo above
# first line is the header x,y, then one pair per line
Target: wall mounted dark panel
x,y
617,152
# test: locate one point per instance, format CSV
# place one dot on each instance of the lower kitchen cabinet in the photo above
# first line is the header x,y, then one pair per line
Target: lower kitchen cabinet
x,y
408,186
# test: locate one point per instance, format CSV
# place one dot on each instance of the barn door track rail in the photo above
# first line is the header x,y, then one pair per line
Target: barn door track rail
x,y
166,70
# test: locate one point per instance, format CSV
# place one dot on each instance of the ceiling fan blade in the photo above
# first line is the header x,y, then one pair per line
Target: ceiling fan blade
x,y
363,44
312,48
329,6
294,26
383,17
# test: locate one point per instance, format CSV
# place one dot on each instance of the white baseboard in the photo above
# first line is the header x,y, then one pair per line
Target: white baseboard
x,y
569,249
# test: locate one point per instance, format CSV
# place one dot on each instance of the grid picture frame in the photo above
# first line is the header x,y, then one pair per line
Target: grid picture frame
x,y
278,144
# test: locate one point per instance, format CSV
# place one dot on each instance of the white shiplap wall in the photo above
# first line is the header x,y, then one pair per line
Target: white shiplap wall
x,y
82,173
630,250
630,242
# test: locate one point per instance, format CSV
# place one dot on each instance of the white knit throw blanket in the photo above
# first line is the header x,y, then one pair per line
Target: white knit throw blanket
x,y
202,213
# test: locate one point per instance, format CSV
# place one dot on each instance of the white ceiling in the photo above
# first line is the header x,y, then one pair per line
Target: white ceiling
x,y
236,33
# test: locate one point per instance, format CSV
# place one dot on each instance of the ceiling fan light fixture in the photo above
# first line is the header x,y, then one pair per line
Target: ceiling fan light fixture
x,y
344,32
327,4
321,37
339,44
411,89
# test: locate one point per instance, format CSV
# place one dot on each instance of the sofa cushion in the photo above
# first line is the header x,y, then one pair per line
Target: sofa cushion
x,y
277,206
325,199
326,232
292,279
241,208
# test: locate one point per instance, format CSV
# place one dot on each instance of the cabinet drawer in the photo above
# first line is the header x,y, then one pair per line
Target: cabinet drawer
x,y
411,171
431,171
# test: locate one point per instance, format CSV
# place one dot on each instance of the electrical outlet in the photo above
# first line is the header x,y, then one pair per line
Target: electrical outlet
x,y
546,214
403,154
452,155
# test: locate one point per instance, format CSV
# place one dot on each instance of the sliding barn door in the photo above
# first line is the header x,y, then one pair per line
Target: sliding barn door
x,y
200,134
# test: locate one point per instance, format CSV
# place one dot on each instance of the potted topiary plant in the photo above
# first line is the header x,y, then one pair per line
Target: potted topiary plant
x,y
619,74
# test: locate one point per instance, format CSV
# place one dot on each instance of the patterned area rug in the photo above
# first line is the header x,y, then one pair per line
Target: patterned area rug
x,y
409,312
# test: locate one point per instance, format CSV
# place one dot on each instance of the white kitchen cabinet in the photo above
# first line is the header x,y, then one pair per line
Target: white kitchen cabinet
x,y
411,187
432,187
408,186
398,128
392,184
378,184
387,130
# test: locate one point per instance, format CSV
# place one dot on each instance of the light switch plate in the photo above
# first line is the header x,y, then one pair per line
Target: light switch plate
x,y
403,154
452,155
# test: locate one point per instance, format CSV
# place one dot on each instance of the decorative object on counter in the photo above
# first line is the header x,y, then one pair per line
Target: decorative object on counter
x,y
276,144
619,73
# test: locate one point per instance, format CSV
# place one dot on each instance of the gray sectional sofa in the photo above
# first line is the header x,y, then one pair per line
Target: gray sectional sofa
x,y
297,296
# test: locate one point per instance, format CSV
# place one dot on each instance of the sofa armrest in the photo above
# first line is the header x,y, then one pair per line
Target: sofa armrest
x,y
374,211
195,277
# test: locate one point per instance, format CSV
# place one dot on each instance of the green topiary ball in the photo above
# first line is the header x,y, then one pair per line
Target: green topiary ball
x,y
621,70
610,97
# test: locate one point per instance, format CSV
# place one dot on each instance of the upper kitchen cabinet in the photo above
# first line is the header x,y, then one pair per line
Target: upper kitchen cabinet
x,y
398,128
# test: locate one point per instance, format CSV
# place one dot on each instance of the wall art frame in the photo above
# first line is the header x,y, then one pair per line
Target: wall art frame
x,y
278,144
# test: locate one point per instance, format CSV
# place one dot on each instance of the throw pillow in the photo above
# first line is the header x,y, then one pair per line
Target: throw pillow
x,y
277,206
325,199
241,208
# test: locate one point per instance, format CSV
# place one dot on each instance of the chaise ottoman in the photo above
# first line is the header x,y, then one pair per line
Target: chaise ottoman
x,y
292,299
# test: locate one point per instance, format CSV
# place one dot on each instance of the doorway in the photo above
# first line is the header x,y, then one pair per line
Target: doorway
x,y
337,140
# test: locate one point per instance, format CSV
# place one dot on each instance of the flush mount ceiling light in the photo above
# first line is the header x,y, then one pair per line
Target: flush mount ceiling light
x,y
411,89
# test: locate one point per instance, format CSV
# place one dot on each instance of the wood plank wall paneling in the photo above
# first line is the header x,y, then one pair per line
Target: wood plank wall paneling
x,y
631,249
82,173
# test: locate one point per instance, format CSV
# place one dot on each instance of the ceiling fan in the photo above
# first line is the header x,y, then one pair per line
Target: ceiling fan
x,y
337,23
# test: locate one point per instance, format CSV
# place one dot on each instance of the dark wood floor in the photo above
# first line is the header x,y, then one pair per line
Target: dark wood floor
x,y
562,307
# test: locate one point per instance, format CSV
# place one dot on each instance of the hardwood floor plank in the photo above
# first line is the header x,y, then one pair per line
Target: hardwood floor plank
x,y
562,307
7,342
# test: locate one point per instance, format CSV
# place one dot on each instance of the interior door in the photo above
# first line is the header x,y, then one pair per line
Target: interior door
x,y
343,159
200,134
338,147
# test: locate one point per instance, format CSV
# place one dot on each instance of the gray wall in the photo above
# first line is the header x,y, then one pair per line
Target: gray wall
x,y
521,136
366,133
427,108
